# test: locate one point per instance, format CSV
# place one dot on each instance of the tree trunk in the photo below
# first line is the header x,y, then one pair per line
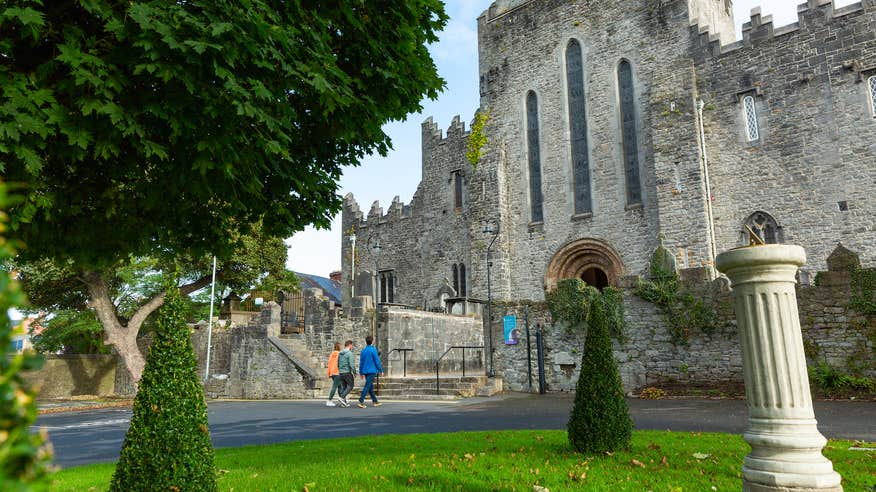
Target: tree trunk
x,y
123,337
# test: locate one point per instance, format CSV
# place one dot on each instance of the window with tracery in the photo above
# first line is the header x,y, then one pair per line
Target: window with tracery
x,y
387,286
532,140
578,127
629,133
871,84
765,226
752,130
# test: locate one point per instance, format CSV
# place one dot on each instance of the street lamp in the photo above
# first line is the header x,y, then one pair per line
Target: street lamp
x,y
376,249
488,229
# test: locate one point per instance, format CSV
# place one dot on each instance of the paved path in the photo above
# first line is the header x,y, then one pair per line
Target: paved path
x,y
96,435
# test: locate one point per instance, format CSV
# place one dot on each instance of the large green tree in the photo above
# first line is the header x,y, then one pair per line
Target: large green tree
x,y
122,298
156,128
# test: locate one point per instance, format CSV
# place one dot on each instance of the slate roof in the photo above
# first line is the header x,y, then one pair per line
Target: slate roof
x,y
329,287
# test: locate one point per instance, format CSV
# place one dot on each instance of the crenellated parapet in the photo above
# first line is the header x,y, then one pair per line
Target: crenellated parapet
x,y
432,134
760,30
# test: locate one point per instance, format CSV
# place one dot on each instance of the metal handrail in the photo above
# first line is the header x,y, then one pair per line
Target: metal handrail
x,y
404,352
438,363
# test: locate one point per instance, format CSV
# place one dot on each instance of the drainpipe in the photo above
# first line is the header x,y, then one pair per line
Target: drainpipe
x,y
711,229
352,267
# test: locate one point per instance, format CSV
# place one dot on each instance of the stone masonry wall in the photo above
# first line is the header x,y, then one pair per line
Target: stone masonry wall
x,y
832,331
430,335
814,166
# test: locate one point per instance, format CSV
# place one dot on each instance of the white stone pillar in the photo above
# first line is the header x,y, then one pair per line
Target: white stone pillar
x,y
785,442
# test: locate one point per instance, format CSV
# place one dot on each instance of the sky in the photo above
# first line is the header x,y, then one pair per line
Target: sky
x,y
318,252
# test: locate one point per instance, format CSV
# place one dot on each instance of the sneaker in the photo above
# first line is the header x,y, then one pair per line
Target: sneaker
x,y
329,403
339,400
344,402
377,404
360,405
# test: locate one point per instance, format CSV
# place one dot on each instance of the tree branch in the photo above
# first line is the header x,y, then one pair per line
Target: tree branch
x,y
156,302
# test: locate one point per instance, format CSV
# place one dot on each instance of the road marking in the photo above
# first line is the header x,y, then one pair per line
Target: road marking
x,y
83,425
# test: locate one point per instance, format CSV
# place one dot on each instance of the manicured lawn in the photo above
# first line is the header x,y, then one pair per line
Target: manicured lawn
x,y
474,461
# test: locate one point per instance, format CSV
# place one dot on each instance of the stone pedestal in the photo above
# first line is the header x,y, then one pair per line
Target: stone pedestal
x,y
785,442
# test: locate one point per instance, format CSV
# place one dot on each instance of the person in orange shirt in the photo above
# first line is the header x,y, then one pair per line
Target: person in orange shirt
x,y
334,374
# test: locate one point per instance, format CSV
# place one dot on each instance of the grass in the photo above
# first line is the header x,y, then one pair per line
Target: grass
x,y
480,461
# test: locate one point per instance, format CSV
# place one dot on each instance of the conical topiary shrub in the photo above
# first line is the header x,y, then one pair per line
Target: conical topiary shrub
x,y
168,445
600,419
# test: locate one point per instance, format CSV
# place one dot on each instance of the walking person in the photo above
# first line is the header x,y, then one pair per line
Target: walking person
x,y
347,370
369,367
334,374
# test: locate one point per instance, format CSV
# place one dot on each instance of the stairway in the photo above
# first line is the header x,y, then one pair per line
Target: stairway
x,y
296,346
423,387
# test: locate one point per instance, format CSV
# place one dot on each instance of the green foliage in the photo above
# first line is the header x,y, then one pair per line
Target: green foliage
x,y
477,139
572,300
863,290
829,378
684,313
24,456
600,420
168,446
71,332
146,127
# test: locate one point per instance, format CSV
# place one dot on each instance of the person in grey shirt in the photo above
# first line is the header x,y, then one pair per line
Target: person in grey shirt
x,y
347,370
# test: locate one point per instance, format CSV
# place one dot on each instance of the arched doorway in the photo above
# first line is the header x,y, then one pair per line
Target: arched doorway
x,y
591,260
596,277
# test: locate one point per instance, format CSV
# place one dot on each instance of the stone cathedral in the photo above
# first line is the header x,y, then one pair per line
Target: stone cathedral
x,y
614,126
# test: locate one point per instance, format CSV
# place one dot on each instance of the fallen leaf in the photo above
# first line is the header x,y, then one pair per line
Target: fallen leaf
x,y
701,456
637,463
653,446
539,488
664,461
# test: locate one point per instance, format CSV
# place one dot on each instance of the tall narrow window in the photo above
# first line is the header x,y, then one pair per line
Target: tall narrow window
x,y
387,286
457,189
463,289
455,278
391,287
751,128
871,84
578,127
629,133
532,140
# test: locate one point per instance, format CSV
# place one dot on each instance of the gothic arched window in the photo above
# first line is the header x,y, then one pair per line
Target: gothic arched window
x,y
629,133
765,226
578,127
455,278
532,140
752,131
462,286
871,84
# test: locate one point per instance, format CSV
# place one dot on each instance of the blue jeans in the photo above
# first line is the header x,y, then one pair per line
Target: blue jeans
x,y
368,389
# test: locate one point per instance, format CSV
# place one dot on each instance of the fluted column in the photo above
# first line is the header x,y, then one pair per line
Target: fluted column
x,y
785,442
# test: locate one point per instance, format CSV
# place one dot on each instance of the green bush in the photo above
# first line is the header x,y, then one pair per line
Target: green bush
x,y
600,419
24,456
168,445
829,378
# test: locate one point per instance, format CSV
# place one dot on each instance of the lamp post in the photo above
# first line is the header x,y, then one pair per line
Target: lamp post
x,y
488,229
376,249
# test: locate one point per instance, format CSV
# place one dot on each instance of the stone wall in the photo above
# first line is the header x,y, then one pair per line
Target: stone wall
x,y
64,376
430,335
832,330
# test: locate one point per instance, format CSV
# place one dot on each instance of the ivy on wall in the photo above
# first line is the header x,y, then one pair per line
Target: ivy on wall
x,y
477,139
863,289
571,304
685,313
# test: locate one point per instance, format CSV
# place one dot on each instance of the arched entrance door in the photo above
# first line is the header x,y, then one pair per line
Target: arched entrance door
x,y
591,260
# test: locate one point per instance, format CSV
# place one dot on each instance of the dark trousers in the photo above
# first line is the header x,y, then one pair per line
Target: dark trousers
x,y
346,384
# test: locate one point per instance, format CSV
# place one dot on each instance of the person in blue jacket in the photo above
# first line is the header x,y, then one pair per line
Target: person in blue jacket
x,y
369,367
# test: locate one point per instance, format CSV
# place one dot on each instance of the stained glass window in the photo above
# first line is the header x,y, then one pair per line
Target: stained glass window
x,y
578,127
629,133
532,139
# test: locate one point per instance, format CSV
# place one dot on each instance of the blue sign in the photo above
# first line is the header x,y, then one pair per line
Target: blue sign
x,y
511,332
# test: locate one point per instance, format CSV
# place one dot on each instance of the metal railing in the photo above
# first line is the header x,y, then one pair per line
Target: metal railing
x,y
404,352
438,363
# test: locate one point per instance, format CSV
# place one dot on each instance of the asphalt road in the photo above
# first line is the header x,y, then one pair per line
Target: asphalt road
x,y
96,435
